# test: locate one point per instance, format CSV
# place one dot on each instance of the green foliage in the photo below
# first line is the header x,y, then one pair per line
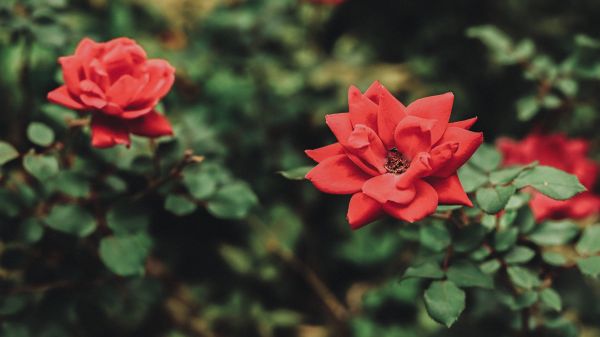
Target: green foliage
x,y
125,255
71,219
444,301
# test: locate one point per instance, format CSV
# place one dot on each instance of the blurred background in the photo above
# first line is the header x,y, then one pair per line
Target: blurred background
x,y
255,79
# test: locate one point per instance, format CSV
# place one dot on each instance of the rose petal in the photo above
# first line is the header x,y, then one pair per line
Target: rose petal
x,y
383,189
424,204
72,73
391,112
465,124
340,125
362,210
437,108
366,145
325,152
468,143
450,191
62,97
108,131
362,109
123,90
373,91
413,135
151,124
337,175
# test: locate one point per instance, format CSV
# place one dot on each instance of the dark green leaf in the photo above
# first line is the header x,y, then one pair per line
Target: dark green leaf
x,y
127,218
506,175
40,166
179,205
200,180
425,270
444,302
434,236
554,259
471,178
527,108
519,254
465,274
232,201
487,158
506,239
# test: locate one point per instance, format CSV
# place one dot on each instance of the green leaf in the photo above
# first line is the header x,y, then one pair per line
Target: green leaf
x,y
519,254
506,175
487,158
553,233
525,220
551,102
236,258
527,108
444,302
424,270
179,205
551,182
523,277
71,219
469,238
200,180
31,230
434,236
521,301
551,299
40,134
465,274
493,199
554,259
125,255
232,201
590,266
7,153
471,178
491,266
127,218
40,166
70,183
296,173
568,86
590,241
506,239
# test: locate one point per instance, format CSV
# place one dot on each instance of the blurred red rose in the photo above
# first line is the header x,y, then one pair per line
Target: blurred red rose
x,y
394,159
569,155
119,86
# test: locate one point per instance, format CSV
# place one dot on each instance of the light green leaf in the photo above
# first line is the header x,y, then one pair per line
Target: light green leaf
x,y
590,266
125,255
527,108
551,182
236,258
493,199
40,134
523,277
71,219
434,236
127,218
444,302
179,205
590,241
551,102
505,239
465,274
232,201
70,183
40,166
7,153
554,258
471,178
506,175
296,173
519,254
200,180
551,299
487,158
553,233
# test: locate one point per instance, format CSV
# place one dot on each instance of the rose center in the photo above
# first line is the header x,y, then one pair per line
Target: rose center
x,y
396,162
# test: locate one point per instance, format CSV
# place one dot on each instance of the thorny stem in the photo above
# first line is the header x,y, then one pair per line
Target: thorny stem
x,y
188,158
337,309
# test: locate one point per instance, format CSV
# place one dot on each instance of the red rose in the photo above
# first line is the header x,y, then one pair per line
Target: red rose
x,y
394,159
569,155
119,86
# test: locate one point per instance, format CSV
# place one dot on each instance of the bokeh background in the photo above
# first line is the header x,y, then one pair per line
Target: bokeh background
x,y
255,79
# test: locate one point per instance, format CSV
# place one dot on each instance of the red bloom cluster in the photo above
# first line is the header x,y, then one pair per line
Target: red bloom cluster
x,y
569,155
394,159
119,86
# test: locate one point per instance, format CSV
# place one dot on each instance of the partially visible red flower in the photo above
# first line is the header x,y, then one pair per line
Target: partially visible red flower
x,y
119,86
394,159
569,155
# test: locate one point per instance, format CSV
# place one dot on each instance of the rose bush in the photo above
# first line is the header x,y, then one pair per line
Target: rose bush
x,y
116,83
394,159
